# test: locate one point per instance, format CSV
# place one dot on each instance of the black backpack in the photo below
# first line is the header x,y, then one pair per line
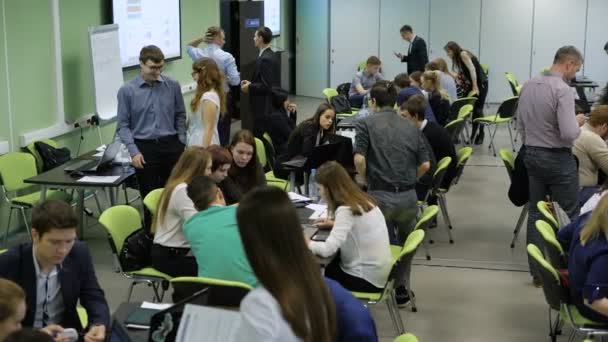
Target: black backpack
x,y
340,104
135,252
343,89
51,157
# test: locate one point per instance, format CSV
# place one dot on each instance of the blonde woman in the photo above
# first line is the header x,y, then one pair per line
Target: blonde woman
x,y
208,103
439,100
170,251
588,261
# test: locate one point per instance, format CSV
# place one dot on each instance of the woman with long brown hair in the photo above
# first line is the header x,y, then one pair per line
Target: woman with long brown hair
x,y
170,249
292,303
208,104
359,232
438,98
246,171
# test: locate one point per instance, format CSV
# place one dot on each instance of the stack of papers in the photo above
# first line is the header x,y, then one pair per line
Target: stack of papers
x,y
207,323
297,198
320,211
98,179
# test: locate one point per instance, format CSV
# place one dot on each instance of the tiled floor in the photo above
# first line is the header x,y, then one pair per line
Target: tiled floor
x,y
477,289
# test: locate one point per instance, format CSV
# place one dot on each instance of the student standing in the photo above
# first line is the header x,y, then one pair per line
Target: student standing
x,y
417,55
152,122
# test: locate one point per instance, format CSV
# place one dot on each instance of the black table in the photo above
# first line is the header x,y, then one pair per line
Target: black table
x,y
580,84
119,328
58,178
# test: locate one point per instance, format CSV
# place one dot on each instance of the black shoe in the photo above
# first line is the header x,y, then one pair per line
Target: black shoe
x,y
479,138
402,297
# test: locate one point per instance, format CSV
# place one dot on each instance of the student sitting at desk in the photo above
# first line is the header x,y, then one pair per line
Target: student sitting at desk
x,y
293,301
437,97
246,171
214,235
405,90
363,81
282,121
359,233
222,162
170,251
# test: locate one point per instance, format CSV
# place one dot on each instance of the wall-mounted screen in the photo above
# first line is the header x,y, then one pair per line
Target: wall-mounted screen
x,y
146,22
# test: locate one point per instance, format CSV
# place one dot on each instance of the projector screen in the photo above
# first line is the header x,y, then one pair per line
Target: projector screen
x,y
272,16
147,22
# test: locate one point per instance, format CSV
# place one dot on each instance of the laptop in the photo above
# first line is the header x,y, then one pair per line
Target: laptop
x,y
319,155
96,164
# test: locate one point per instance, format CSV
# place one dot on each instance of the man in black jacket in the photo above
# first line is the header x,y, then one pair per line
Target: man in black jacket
x,y
265,76
56,272
417,56
437,137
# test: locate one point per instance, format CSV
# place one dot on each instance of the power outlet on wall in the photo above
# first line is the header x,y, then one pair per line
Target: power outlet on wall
x,y
188,88
85,121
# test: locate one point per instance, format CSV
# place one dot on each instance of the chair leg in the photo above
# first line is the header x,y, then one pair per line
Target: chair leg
x,y
411,295
8,227
492,140
391,312
97,202
425,244
552,333
130,292
511,137
401,329
27,226
520,222
446,217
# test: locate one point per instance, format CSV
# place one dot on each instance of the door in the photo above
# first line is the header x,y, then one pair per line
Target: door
x,y
395,14
454,21
506,35
354,30
550,33
312,47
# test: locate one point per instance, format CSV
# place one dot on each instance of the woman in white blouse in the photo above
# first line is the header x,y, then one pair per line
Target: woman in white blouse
x,y
208,103
359,232
171,252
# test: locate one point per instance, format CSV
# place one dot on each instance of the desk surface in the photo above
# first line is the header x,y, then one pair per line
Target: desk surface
x,y
118,327
59,177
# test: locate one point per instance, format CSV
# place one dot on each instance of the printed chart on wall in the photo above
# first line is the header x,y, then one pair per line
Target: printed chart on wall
x,y
272,16
146,22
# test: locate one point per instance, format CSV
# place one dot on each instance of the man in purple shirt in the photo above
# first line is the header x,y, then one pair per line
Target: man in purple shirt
x,y
548,124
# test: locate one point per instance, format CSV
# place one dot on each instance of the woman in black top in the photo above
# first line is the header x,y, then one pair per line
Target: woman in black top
x,y
469,77
308,134
282,121
438,98
245,173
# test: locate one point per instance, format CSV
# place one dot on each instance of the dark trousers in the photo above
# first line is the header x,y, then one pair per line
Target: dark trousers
x,y
551,172
399,210
349,282
173,261
160,156
478,112
356,100
223,125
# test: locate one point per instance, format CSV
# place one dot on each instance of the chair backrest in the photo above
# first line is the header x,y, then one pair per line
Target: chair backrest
x,y
120,221
406,338
152,200
553,249
543,207
260,151
458,103
329,93
31,148
454,128
15,167
268,139
509,160
508,107
277,182
220,292
2,251
552,287
462,157
513,83
440,170
362,65
485,68
404,260
427,216
465,111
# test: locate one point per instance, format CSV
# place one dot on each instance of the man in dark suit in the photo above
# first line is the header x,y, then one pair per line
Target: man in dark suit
x,y
56,271
417,56
437,137
265,75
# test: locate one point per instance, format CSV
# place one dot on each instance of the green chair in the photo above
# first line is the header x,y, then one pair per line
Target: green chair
x,y
406,338
82,316
2,251
458,104
438,175
558,298
485,68
329,93
152,200
31,148
427,216
362,65
466,113
120,222
505,114
462,157
271,179
399,267
515,87
455,128
15,167
509,160
553,249
219,292
543,207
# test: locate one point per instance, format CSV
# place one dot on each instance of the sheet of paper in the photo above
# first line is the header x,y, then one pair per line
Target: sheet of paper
x,y
98,154
212,323
317,207
155,306
101,148
294,197
318,214
98,179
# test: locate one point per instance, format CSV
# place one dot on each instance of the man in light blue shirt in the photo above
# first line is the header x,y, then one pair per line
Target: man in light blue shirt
x,y
215,39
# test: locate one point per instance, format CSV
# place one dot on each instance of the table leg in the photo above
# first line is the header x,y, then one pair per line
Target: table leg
x,y
42,193
112,192
292,181
80,210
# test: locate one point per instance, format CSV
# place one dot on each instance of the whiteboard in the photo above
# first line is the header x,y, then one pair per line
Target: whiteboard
x,y
272,16
106,68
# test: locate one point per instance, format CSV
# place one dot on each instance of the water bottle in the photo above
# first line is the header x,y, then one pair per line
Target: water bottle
x,y
312,186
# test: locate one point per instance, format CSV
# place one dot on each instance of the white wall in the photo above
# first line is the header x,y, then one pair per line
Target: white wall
x,y
454,20
312,47
596,60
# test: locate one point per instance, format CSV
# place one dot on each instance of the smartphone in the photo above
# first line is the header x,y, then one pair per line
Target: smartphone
x,y
70,334
321,235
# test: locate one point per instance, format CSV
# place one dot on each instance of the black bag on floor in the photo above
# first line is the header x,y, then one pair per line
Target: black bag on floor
x,y
135,252
51,157
340,104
